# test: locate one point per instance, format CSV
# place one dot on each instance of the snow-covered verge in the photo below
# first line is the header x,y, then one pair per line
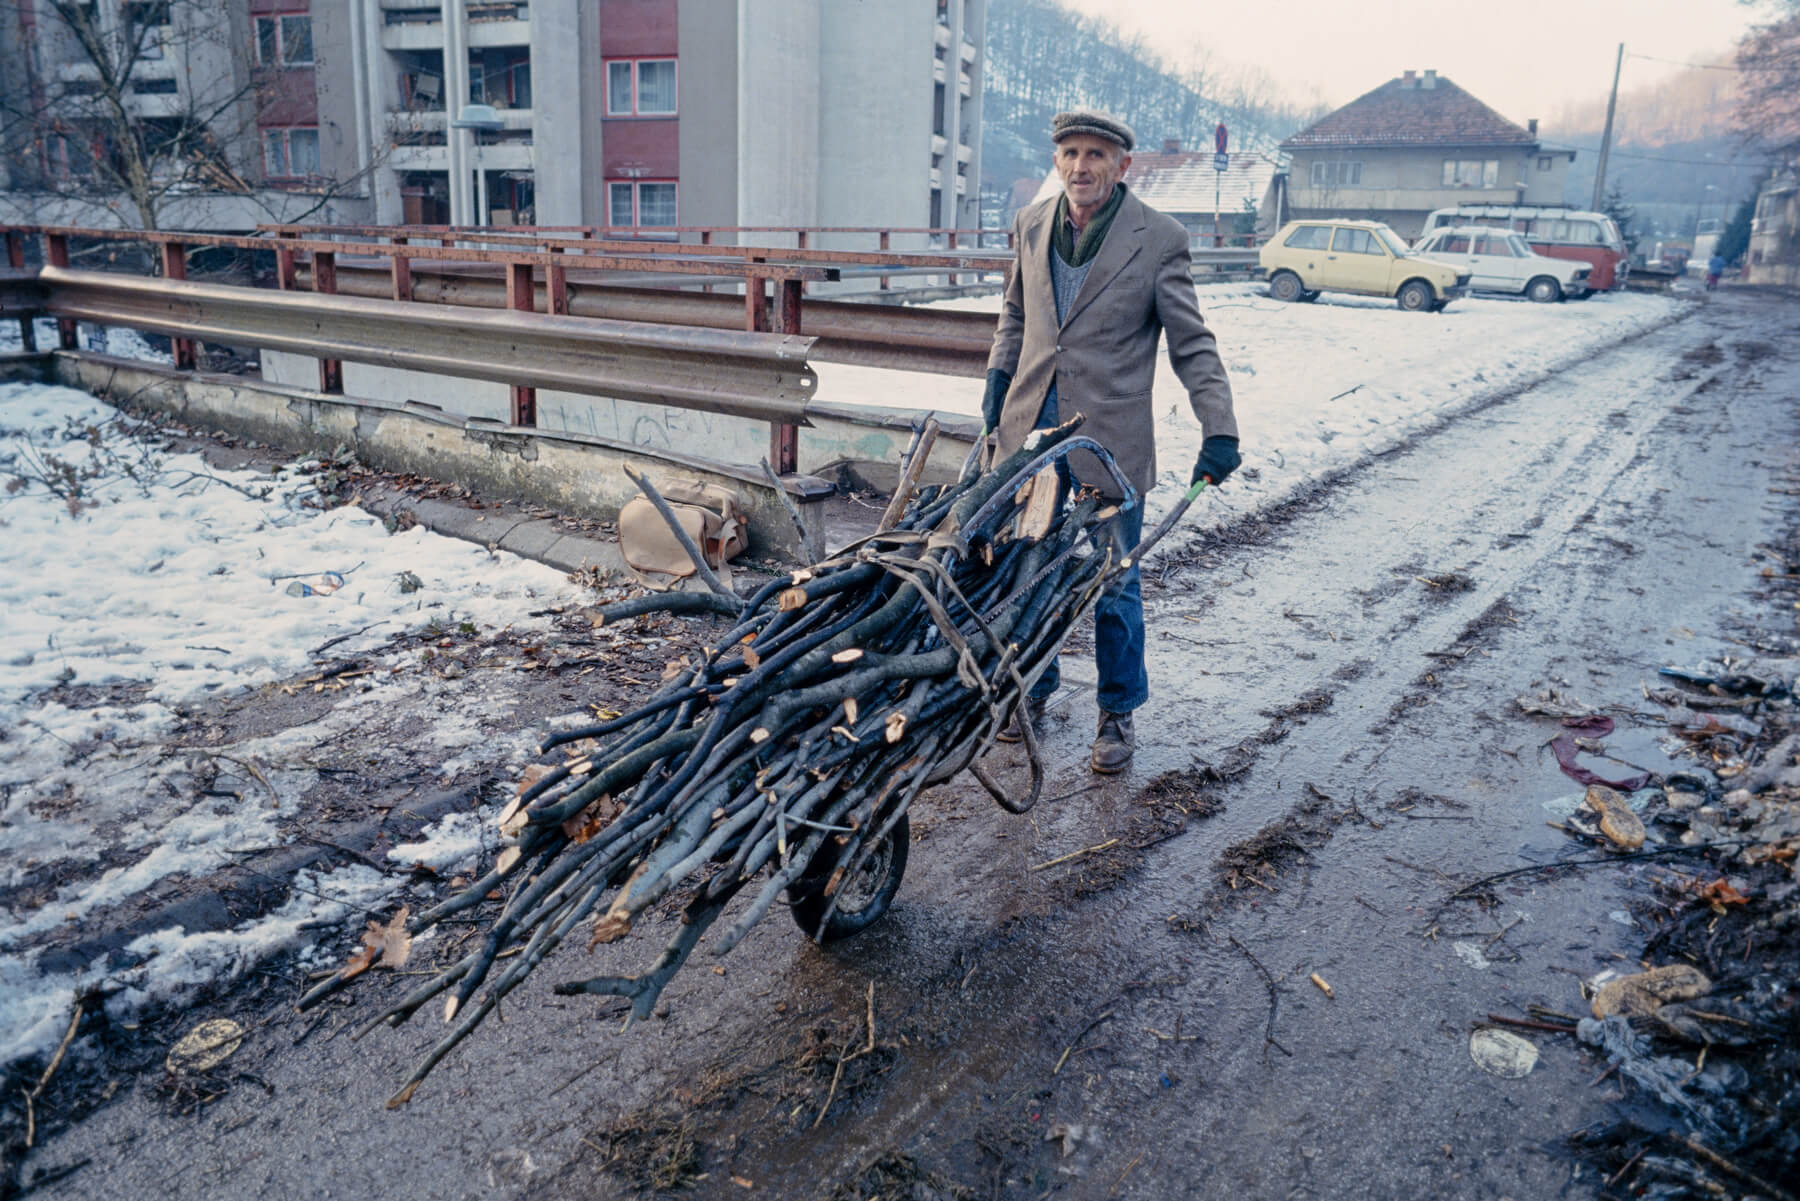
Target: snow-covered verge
x,y
137,583
1318,387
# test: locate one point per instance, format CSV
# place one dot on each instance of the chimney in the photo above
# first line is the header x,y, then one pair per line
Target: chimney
x,y
1531,127
1171,145
1408,81
1430,80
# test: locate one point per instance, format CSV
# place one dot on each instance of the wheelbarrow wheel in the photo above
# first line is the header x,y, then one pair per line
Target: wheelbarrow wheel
x,y
862,898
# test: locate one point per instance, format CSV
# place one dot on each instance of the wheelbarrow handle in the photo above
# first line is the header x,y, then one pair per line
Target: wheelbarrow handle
x,y
1164,526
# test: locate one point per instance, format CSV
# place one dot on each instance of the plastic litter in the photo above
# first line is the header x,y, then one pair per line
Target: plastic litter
x,y
320,585
1700,1097
1502,1053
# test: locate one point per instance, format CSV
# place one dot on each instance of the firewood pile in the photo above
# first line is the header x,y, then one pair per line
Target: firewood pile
x,y
791,752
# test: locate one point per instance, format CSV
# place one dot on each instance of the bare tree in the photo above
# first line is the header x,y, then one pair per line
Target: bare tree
x,y
1768,106
117,111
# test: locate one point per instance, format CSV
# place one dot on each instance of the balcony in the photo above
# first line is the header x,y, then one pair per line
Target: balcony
x,y
941,35
938,71
964,152
968,53
963,84
939,144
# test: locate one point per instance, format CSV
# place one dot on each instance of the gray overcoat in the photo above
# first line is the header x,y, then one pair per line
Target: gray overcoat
x,y
1103,357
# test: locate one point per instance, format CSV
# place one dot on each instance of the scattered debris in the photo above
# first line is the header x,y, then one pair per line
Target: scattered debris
x,y
205,1047
1502,1054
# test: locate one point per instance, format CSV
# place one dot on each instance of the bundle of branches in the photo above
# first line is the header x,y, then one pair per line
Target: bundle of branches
x,y
791,752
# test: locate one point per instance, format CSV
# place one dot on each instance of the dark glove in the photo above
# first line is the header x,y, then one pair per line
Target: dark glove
x,y
1218,459
994,399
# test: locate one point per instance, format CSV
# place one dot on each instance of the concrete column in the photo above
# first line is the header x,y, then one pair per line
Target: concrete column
x,y
456,94
556,110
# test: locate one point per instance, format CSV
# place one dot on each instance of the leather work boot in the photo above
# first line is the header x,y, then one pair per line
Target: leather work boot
x,y
1113,744
1033,709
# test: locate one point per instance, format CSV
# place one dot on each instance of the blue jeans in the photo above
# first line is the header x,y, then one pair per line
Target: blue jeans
x,y
1119,615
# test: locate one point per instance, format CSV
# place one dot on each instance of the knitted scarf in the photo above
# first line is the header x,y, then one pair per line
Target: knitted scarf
x,y
1077,253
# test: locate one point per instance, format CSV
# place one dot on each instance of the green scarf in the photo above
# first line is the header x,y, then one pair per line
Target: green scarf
x,y
1078,253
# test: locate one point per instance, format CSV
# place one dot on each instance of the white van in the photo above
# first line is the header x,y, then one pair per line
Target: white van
x,y
1553,231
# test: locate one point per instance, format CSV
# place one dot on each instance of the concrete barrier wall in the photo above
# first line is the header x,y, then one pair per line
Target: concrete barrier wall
x,y
868,440
569,472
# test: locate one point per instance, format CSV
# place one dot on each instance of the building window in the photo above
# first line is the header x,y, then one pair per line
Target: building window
x,y
1545,162
155,87
619,208
642,87
1471,173
291,153
147,20
649,204
284,41
1337,175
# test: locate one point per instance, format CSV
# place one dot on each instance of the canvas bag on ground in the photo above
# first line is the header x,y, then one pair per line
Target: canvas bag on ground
x,y
709,514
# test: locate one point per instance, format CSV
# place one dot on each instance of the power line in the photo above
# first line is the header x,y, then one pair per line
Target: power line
x,y
1677,63
1688,162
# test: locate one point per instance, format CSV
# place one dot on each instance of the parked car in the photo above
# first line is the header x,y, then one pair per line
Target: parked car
x,y
1553,231
1498,260
1308,257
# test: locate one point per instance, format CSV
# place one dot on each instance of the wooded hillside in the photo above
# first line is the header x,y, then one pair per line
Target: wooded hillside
x,y
1042,58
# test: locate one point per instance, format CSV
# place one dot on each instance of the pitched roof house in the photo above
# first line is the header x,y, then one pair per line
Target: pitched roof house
x,y
1415,144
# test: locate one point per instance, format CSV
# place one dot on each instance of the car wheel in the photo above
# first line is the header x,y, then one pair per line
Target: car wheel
x,y
1415,296
1285,285
1543,290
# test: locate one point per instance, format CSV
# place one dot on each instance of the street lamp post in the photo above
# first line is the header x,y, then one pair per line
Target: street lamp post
x,y
479,118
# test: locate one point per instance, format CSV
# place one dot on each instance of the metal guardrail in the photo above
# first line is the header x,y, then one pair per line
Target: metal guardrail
x,y
941,341
760,376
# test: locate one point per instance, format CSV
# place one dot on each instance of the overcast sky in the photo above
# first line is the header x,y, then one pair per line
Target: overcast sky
x,y
1526,58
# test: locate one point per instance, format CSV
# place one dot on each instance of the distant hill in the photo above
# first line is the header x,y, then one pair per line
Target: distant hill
x,y
1670,141
1043,59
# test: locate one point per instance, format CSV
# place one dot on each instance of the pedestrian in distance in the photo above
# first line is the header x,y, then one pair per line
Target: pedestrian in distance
x,y
1098,278
1715,267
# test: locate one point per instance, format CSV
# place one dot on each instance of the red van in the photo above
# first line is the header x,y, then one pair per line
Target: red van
x,y
1554,231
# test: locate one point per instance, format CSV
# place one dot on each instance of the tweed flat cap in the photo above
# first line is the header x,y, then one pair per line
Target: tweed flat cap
x,y
1101,125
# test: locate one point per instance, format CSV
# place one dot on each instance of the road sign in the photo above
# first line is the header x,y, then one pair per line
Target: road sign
x,y
1221,162
1219,138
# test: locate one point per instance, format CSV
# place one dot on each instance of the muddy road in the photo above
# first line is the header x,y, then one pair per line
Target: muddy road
x,y
1114,996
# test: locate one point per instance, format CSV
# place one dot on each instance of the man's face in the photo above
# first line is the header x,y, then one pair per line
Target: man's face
x,y
1089,167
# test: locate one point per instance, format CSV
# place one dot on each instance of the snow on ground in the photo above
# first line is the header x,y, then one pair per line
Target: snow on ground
x,y
145,581
161,582
1320,386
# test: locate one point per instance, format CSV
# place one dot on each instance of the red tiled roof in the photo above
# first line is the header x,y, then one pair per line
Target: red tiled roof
x,y
1404,112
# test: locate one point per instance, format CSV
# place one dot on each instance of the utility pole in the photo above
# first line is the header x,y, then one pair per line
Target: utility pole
x,y
1612,102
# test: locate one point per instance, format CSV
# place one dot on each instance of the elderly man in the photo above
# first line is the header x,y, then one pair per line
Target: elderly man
x,y
1099,278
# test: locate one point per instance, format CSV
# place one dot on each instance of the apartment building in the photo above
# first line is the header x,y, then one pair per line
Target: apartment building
x,y
648,114
654,114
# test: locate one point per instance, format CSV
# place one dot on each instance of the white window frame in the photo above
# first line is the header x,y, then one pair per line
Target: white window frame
x,y
1488,168
637,202
1336,173
278,22
636,66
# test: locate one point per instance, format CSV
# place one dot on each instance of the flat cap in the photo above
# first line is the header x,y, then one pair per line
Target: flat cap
x,y
1101,125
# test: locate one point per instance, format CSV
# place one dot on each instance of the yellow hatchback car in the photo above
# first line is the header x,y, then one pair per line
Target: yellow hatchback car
x,y
1309,257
